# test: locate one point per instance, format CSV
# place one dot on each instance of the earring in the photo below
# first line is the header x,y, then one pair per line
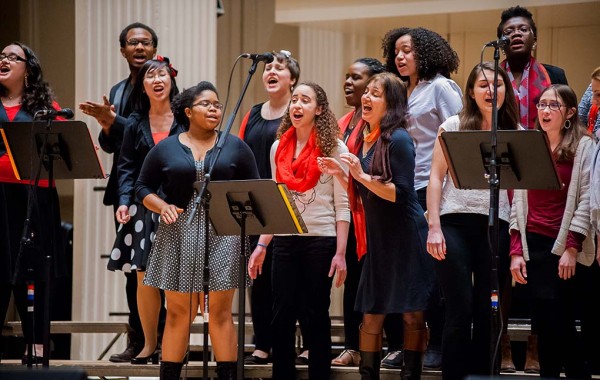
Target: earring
x,y
567,124
26,84
533,47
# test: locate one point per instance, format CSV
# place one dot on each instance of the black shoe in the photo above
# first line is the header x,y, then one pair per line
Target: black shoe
x,y
34,360
135,344
255,360
433,359
301,360
393,360
144,359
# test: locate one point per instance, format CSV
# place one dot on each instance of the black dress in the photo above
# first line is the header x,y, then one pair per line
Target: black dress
x,y
177,253
397,274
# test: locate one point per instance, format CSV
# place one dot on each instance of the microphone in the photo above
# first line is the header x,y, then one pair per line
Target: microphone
x,y
265,57
67,113
503,41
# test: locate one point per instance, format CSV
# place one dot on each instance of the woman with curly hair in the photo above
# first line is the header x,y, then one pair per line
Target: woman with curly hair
x,y
397,274
424,60
23,92
304,265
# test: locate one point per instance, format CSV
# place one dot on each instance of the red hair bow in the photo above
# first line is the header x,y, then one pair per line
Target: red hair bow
x,y
172,70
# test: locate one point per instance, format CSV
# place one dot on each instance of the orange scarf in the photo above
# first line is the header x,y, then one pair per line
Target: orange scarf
x,y
301,174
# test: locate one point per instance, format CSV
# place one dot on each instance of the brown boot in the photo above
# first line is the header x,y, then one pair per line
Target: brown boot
x,y
532,364
370,354
507,364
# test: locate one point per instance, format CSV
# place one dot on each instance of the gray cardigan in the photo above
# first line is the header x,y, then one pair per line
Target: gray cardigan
x,y
577,209
595,188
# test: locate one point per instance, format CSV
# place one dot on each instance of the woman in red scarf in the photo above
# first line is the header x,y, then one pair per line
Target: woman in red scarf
x,y
303,266
397,274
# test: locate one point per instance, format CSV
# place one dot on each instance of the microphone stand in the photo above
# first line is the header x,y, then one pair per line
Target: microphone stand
x,y
27,243
493,222
204,197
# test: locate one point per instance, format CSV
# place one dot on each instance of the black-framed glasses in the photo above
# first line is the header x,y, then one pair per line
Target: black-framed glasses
x,y
135,42
206,104
552,106
12,57
523,29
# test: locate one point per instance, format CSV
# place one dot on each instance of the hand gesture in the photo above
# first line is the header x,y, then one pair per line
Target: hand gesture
x,y
103,112
329,165
354,166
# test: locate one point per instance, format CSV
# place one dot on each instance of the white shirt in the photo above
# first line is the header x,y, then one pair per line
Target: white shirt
x,y
429,105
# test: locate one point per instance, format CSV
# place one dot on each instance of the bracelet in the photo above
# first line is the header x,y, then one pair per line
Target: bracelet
x,y
262,245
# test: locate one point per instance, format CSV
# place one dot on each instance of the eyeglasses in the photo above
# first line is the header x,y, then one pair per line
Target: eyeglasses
x,y
206,104
135,42
11,57
523,29
552,106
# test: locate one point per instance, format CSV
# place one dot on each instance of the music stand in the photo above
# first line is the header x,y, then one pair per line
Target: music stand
x,y
251,207
50,150
524,157
520,160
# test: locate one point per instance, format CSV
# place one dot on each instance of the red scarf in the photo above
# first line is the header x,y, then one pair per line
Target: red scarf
x,y
354,144
592,116
534,80
301,174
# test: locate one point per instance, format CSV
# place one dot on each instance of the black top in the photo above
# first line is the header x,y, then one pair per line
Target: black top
x,y
171,165
260,135
137,142
556,74
397,274
111,143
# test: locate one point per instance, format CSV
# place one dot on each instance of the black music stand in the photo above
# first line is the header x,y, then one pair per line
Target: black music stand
x,y
519,160
251,207
524,158
50,150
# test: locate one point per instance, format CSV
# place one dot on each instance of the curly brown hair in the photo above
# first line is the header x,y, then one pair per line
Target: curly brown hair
x,y
433,53
325,123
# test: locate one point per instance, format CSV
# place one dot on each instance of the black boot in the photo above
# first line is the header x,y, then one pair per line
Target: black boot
x,y
135,344
370,355
369,365
227,370
413,365
415,343
170,370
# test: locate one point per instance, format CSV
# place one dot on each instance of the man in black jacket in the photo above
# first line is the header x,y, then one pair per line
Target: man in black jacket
x,y
138,45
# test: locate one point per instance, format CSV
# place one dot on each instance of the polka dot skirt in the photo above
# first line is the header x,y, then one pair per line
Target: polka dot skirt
x,y
133,241
177,257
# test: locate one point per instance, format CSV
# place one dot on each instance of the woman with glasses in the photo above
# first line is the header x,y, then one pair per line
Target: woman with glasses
x,y
551,235
258,130
23,92
528,78
177,257
458,231
151,122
